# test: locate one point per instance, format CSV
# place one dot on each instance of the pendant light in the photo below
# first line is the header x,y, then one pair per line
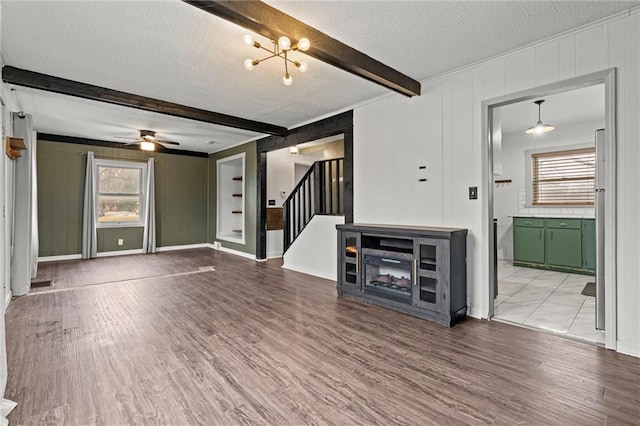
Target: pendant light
x,y
540,127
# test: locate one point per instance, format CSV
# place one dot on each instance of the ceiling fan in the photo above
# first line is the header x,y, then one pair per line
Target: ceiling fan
x,y
148,142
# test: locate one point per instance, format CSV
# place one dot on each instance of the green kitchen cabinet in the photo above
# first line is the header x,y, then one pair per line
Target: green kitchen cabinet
x,y
564,247
560,244
589,244
528,244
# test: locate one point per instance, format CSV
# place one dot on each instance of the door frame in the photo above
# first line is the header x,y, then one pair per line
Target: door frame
x,y
608,78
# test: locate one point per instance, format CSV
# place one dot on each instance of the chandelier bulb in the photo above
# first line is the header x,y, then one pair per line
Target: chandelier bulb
x,y
302,66
284,43
304,44
287,80
248,40
248,64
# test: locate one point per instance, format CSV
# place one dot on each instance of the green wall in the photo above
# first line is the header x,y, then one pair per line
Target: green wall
x,y
181,199
250,196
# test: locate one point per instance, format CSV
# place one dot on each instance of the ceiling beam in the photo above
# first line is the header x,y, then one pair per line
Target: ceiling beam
x,y
270,22
49,83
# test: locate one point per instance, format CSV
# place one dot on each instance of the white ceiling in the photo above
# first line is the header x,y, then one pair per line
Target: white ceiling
x,y
574,106
172,51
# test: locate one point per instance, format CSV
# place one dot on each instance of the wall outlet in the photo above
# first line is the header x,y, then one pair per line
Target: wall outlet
x,y
120,241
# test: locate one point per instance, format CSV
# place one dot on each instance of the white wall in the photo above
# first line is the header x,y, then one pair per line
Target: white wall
x,y
508,197
315,251
443,129
280,172
280,177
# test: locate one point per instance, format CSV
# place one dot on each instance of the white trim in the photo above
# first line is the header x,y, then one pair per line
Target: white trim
x,y
61,257
7,299
274,254
6,407
475,313
310,272
220,193
122,164
632,349
608,78
183,247
236,252
119,253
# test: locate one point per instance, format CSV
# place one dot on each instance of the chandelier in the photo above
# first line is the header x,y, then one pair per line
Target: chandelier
x,y
281,49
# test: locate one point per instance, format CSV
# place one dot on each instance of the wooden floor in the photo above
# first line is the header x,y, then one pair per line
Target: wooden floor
x,y
251,343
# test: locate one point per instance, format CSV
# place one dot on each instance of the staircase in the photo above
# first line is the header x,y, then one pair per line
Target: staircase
x,y
319,192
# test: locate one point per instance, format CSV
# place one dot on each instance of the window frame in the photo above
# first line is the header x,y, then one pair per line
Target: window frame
x,y
121,164
567,149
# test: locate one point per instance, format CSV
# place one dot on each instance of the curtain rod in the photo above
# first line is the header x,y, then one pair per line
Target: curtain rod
x,y
111,157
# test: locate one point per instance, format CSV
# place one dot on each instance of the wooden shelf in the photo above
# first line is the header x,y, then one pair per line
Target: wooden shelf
x,y
237,178
237,231
236,211
237,195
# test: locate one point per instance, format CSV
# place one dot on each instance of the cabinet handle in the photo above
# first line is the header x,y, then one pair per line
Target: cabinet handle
x,y
527,223
540,234
357,262
415,272
551,236
563,224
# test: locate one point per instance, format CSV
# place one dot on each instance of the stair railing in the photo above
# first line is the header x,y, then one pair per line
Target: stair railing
x,y
320,191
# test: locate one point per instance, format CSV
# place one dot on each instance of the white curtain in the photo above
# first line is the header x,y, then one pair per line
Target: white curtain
x,y
89,236
149,238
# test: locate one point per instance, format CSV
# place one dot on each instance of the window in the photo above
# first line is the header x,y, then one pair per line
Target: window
x,y
564,178
119,193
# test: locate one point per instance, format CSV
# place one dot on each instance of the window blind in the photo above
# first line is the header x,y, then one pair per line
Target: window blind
x,y
564,178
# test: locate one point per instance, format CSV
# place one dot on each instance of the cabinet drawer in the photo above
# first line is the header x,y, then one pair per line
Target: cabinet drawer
x,y
564,223
532,222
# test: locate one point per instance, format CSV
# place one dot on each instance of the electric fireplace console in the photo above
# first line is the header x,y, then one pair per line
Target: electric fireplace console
x,y
420,271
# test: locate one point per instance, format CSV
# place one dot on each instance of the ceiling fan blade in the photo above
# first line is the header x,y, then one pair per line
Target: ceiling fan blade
x,y
167,142
126,137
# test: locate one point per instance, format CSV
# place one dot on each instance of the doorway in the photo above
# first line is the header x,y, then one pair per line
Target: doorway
x,y
544,255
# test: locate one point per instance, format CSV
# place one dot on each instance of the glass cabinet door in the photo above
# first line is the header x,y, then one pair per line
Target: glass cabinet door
x,y
351,266
428,264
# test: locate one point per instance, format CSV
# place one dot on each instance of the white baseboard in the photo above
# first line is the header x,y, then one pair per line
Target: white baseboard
x,y
476,313
119,253
274,254
62,257
183,247
232,251
6,406
7,300
632,349
310,272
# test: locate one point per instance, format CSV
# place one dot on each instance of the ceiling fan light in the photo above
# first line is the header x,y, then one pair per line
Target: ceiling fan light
x,y
284,42
147,146
304,44
287,80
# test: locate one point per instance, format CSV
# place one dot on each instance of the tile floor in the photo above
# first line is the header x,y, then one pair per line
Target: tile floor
x,y
547,300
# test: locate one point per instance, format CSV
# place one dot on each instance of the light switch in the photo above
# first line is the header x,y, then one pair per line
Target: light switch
x,y
473,192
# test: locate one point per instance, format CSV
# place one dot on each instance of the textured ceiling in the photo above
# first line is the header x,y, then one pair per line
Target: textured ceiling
x,y
172,51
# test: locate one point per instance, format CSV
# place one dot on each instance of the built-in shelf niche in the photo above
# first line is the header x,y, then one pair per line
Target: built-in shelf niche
x,y
230,195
